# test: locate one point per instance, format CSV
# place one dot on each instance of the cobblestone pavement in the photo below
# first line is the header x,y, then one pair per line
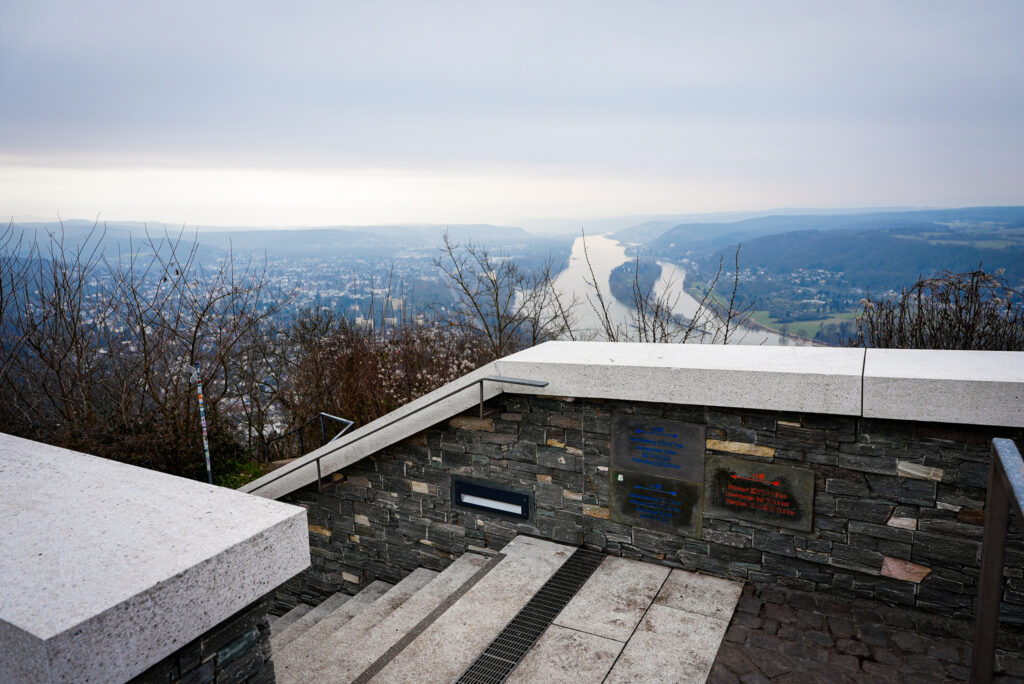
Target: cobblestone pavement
x,y
782,635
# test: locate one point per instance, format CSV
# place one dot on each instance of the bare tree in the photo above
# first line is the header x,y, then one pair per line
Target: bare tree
x,y
499,301
108,344
611,330
14,274
652,310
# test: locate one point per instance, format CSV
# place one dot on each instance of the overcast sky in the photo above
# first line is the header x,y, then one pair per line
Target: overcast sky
x,y
313,113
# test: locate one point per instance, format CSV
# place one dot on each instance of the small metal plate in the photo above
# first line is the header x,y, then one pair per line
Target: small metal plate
x,y
767,493
667,448
655,503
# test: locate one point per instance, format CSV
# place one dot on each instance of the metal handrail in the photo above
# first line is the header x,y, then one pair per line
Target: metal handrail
x,y
479,381
323,431
1005,489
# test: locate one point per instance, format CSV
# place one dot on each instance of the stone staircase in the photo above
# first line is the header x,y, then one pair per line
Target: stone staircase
x,y
535,612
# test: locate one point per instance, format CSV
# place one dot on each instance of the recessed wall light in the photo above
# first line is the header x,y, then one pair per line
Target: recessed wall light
x,y
477,495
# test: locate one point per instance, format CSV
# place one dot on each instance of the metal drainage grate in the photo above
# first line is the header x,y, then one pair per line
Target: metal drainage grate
x,y
508,648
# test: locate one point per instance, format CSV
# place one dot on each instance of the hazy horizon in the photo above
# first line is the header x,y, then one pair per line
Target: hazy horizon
x,y
537,226
458,112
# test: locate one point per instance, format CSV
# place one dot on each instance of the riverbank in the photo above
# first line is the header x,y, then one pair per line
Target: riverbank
x,y
605,255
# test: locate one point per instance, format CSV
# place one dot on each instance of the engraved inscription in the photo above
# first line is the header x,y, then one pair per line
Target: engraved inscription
x,y
664,447
768,493
656,503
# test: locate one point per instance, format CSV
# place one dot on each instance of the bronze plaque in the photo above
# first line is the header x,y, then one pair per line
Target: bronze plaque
x,y
656,503
767,493
668,448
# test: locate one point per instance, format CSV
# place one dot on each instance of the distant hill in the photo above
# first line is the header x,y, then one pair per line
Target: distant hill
x,y
885,257
691,239
298,242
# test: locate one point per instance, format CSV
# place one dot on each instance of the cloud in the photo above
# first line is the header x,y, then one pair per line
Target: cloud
x,y
923,95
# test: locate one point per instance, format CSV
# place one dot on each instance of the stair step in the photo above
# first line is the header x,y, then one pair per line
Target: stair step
x,y
300,660
288,618
335,619
569,656
299,627
587,636
355,649
614,599
460,634
681,631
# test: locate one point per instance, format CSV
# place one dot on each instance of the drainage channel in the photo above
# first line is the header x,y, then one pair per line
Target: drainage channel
x,y
503,654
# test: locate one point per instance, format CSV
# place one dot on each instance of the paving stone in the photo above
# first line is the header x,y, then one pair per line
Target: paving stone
x,y
748,604
871,648
819,639
734,659
945,651
701,594
614,599
720,675
840,626
669,645
567,656
908,641
770,663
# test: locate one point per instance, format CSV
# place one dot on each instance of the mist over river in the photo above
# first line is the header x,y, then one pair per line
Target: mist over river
x,y
605,255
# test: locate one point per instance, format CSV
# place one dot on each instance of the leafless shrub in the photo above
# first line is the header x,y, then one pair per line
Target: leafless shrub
x,y
972,310
362,373
104,346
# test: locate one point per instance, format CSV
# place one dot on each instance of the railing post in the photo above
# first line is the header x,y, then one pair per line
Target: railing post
x,y
990,584
319,486
481,398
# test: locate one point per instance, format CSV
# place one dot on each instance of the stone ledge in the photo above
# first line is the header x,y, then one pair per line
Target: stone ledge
x,y
108,568
969,387
974,388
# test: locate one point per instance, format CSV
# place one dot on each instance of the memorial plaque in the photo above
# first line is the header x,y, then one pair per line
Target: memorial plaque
x,y
656,503
668,448
767,493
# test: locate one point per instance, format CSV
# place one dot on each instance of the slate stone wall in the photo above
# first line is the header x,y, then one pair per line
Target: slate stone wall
x,y
898,506
236,650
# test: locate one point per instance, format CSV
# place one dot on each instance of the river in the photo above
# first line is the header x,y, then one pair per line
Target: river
x,y
605,255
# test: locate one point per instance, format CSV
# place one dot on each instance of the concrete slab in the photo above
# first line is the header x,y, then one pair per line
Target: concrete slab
x,y
567,656
813,379
329,624
311,617
110,568
288,619
614,599
971,387
701,594
670,645
358,646
458,636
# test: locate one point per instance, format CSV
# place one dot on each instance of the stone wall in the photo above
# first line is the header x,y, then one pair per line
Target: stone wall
x,y
237,650
897,505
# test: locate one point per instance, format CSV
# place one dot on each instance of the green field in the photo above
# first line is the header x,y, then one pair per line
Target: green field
x,y
807,329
